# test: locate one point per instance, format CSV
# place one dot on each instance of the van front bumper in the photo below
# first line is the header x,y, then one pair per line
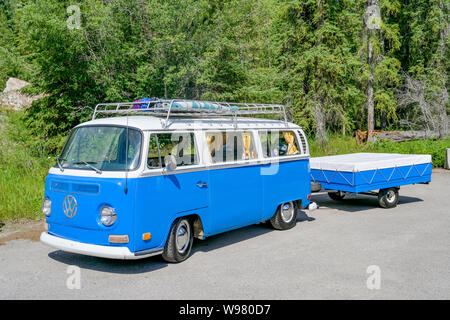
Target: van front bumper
x,y
122,253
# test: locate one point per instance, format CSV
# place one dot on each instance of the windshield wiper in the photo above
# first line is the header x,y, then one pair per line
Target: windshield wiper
x,y
59,163
90,166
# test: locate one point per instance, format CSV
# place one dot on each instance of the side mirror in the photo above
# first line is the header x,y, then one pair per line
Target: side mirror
x,y
170,162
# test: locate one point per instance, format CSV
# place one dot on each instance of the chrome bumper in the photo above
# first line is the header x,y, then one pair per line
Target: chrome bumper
x,y
122,253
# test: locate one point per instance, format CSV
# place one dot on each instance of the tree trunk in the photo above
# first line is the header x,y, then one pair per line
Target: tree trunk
x,y
370,90
443,117
320,125
370,99
400,136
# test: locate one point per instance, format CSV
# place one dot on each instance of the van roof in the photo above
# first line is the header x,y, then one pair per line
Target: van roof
x,y
157,123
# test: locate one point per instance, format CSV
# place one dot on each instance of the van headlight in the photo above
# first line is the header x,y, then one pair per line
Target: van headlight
x,y
108,216
47,207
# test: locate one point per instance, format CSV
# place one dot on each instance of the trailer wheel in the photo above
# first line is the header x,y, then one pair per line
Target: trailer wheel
x,y
316,186
388,198
285,217
337,195
179,243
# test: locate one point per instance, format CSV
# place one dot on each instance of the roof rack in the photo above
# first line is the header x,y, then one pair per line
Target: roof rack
x,y
188,108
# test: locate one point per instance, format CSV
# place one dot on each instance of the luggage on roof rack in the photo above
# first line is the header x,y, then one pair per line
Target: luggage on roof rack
x,y
188,108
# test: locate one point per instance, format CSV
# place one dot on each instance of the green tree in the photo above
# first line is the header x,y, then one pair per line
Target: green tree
x,y
311,55
317,45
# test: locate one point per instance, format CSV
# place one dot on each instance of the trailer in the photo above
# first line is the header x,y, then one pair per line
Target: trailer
x,y
378,174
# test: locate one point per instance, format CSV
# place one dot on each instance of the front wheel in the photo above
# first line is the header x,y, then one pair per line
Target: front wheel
x,y
388,198
179,243
285,217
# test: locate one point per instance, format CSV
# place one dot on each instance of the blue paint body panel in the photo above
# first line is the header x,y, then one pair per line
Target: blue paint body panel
x,y
363,181
233,197
85,226
161,199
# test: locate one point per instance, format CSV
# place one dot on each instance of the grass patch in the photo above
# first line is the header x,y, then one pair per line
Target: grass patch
x,y
336,145
22,176
347,144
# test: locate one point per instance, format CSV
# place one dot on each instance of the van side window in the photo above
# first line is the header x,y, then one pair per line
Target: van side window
x,y
303,142
230,146
179,144
278,143
153,159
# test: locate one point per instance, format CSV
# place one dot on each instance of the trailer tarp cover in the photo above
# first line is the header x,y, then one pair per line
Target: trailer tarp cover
x,y
355,162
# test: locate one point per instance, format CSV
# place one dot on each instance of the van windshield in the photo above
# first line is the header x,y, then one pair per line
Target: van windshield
x,y
101,148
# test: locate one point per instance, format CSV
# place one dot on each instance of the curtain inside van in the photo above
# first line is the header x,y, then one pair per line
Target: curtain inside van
x,y
290,139
230,146
246,139
214,142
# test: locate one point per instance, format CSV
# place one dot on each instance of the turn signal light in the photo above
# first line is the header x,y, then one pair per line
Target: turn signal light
x,y
118,238
146,236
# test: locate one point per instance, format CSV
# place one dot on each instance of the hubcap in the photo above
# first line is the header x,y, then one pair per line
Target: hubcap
x,y
182,237
287,211
390,196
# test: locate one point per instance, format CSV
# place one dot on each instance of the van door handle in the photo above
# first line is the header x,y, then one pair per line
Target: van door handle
x,y
202,184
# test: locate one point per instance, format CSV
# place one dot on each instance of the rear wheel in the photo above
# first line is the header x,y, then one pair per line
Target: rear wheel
x,y
179,243
388,198
337,195
285,217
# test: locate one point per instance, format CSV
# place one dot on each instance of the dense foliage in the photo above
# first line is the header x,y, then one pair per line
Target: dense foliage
x,y
311,55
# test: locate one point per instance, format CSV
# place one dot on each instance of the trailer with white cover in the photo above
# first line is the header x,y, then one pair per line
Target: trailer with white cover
x,y
379,174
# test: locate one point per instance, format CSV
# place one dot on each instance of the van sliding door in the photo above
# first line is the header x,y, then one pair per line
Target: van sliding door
x,y
235,183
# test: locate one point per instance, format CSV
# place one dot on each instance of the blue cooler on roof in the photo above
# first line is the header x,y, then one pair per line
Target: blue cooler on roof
x,y
142,103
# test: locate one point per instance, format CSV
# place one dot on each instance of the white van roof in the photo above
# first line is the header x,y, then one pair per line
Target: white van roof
x,y
178,114
145,123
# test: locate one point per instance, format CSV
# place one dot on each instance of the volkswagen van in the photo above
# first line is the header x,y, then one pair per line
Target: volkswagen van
x,y
142,179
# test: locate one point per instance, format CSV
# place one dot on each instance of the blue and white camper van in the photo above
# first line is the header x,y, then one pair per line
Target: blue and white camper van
x,y
145,178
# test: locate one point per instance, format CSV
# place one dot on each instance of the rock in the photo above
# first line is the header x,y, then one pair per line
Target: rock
x,y
14,84
12,98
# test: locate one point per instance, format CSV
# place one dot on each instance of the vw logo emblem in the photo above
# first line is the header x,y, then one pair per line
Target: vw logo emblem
x,y
70,206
